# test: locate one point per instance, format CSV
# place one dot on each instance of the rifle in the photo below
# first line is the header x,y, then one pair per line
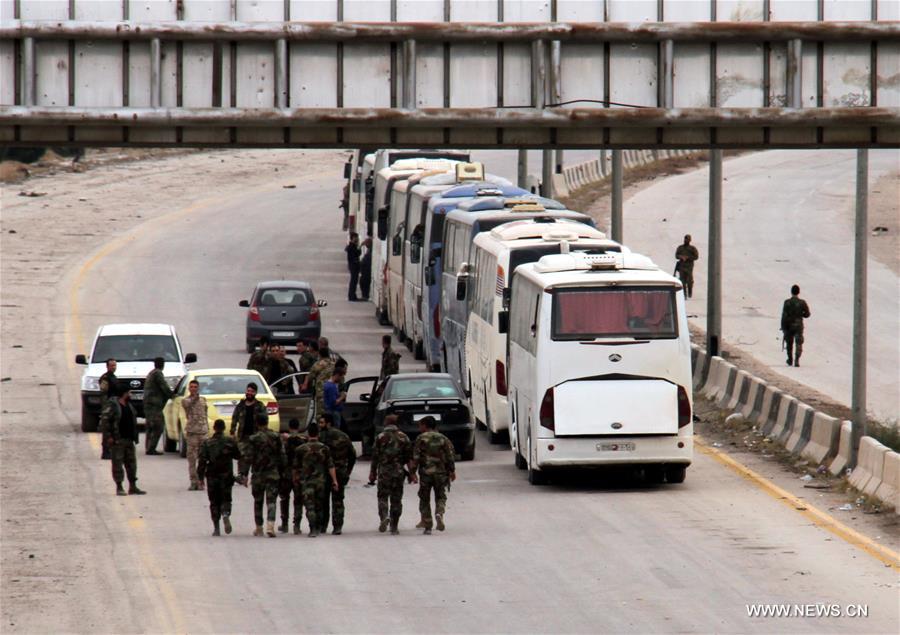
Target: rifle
x,y
677,268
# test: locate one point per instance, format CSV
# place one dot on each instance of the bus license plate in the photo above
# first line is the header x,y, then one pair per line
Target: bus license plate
x,y
283,334
615,447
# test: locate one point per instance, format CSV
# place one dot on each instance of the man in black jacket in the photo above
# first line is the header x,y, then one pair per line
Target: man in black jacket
x,y
353,253
119,424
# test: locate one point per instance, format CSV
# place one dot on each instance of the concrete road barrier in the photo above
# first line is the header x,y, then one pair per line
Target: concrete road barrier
x,y
753,405
889,490
723,395
866,476
787,407
801,429
700,368
824,439
845,448
739,392
771,404
717,370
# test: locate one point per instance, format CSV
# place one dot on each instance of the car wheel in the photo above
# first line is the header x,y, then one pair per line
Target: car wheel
x,y
535,477
169,445
182,444
676,473
469,453
654,473
89,420
520,462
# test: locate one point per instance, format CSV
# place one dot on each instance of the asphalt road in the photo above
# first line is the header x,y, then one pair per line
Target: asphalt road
x,y
788,217
595,555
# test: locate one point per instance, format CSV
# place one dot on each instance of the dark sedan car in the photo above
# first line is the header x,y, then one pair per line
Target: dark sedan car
x,y
412,396
284,311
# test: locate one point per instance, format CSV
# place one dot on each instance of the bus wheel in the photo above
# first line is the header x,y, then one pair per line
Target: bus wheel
x,y
676,473
479,424
520,462
495,437
419,350
535,477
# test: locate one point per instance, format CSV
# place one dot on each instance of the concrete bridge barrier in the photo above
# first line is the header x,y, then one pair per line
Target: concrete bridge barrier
x,y
866,476
824,439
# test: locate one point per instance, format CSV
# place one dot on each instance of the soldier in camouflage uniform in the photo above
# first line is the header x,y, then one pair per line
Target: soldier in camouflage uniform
x,y
390,360
433,456
685,257
343,454
243,419
196,429
259,358
215,467
792,314
321,372
265,455
309,354
108,384
291,441
156,394
314,468
391,454
118,421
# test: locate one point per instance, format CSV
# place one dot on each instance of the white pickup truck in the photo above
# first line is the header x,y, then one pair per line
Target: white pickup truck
x,y
134,347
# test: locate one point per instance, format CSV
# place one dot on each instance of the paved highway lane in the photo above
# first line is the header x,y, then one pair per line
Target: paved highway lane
x,y
610,555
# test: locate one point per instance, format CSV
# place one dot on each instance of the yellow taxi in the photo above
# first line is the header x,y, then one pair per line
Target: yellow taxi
x,y
222,388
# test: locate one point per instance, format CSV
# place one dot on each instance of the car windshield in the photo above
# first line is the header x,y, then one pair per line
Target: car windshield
x,y
228,384
425,388
644,313
135,348
283,297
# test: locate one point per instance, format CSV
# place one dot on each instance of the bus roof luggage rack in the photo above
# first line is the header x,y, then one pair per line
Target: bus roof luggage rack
x,y
577,261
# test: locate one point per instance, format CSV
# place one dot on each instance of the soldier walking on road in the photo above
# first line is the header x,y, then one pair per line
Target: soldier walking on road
x,y
792,315
433,456
215,467
196,430
390,361
109,385
290,482
343,454
156,394
244,417
390,457
259,359
119,424
265,455
685,256
314,469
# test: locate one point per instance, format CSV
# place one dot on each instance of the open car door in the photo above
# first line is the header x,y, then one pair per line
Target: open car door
x,y
292,405
357,411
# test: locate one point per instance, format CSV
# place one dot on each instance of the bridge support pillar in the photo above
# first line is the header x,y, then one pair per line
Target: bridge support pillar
x,y
714,279
860,280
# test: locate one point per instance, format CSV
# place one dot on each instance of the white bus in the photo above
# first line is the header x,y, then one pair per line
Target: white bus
x,y
494,257
460,228
599,366
384,182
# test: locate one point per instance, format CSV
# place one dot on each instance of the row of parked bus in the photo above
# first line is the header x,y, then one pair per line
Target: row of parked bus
x,y
566,341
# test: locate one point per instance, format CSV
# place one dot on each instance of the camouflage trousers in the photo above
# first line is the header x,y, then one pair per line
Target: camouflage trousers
x,y
427,483
686,274
390,497
313,493
244,448
285,490
124,460
219,492
265,490
193,442
155,425
793,341
333,503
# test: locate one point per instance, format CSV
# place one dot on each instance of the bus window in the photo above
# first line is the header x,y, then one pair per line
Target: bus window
x,y
588,313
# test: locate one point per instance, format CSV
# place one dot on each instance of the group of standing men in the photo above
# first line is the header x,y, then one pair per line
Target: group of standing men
x,y
359,264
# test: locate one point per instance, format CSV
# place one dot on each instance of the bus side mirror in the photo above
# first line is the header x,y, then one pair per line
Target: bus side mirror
x,y
429,275
503,321
348,169
507,294
382,223
190,358
81,359
396,245
355,186
415,253
462,282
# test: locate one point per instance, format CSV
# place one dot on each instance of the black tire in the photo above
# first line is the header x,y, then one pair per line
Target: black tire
x,y
655,474
468,454
521,463
170,445
535,477
479,424
182,444
676,473
250,347
495,438
89,421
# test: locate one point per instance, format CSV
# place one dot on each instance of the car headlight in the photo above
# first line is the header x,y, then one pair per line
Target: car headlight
x,y
172,381
90,383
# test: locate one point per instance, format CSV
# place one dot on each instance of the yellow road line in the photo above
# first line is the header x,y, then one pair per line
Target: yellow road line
x,y
819,518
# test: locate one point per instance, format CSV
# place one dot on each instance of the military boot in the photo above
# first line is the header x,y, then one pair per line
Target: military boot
x,y
384,525
394,527
216,527
440,522
226,520
270,529
336,531
258,531
282,528
313,532
422,523
297,530
427,531
120,491
134,491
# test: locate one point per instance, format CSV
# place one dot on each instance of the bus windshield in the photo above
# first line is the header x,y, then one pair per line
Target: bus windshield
x,y
596,312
